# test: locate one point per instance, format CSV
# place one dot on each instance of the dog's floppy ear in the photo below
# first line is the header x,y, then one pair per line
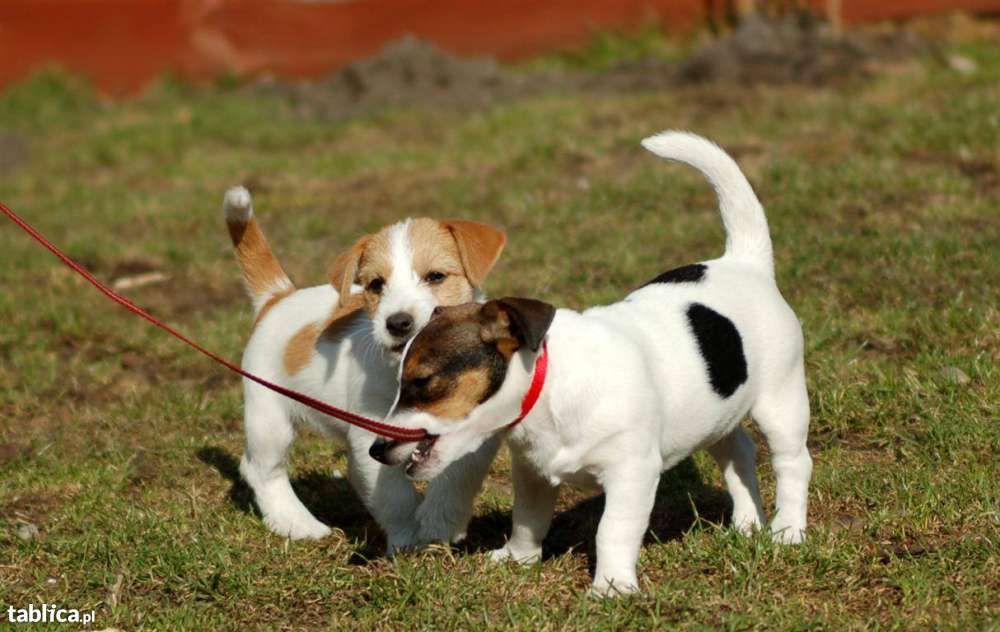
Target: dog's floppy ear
x,y
479,246
513,323
345,268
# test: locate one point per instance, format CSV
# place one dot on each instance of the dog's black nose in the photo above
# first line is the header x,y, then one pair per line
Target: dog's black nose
x,y
399,324
379,449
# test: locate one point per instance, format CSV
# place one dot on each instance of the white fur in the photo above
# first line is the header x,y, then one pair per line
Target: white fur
x,y
237,204
356,373
628,395
404,290
747,236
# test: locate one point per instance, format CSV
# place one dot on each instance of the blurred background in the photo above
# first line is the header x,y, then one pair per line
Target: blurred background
x,y
122,45
870,130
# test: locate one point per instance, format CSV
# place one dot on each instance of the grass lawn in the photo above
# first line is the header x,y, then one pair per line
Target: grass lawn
x,y
121,444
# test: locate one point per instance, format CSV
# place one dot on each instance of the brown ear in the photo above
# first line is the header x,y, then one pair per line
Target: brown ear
x,y
479,246
345,268
515,322
495,328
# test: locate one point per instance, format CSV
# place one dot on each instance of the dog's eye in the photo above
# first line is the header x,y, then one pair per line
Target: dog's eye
x,y
434,277
375,285
418,389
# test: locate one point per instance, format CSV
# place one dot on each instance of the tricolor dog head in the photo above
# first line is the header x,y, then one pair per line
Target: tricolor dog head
x,y
401,273
454,380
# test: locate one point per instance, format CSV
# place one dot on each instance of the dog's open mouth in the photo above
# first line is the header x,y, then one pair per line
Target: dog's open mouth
x,y
421,453
398,348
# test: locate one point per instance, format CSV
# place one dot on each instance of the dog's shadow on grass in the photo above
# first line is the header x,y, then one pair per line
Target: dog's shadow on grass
x,y
330,499
681,499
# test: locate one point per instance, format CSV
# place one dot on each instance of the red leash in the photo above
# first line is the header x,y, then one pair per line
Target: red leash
x,y
393,432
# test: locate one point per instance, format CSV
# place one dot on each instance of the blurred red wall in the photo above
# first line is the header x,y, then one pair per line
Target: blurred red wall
x,y
122,44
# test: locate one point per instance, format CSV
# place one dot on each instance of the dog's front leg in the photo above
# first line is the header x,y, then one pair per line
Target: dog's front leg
x,y
629,495
386,492
534,504
447,508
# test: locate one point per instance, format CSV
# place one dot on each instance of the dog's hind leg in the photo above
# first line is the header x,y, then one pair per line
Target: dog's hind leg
x,y
269,434
736,455
782,413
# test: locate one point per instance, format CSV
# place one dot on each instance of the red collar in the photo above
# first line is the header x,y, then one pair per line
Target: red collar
x,y
537,383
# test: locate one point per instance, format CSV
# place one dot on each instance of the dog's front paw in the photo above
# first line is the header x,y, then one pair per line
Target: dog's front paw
x,y
787,535
521,556
608,587
434,535
403,541
441,524
301,528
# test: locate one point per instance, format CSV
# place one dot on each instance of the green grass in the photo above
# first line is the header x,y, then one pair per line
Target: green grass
x,y
121,444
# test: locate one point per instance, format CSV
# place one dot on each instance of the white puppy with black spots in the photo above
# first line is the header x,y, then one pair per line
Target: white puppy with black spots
x,y
631,388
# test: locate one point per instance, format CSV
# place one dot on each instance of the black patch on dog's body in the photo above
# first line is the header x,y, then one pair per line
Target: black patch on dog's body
x,y
684,274
721,346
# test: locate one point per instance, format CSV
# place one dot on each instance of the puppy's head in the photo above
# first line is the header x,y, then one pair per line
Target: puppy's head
x,y
453,380
406,270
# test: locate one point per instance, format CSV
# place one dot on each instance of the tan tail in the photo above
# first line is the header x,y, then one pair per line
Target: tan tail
x,y
264,278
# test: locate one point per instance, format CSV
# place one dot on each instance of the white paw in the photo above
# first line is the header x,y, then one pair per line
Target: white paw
x,y
402,542
606,587
442,522
505,554
238,204
747,525
392,549
500,555
787,535
297,529
429,536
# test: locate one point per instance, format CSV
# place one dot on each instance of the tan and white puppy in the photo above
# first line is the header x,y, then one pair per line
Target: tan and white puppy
x,y
341,343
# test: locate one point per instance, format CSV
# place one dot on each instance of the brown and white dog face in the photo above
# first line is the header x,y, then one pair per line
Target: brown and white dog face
x,y
453,367
406,270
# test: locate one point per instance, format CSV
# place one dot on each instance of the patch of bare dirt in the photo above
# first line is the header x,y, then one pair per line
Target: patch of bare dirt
x,y
798,48
14,451
13,152
34,507
143,469
130,267
982,172
164,292
178,298
407,72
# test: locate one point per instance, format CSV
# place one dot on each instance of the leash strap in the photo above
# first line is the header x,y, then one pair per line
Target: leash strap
x,y
386,430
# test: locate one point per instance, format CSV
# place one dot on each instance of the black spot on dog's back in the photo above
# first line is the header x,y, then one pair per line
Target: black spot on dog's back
x,y
721,347
684,274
